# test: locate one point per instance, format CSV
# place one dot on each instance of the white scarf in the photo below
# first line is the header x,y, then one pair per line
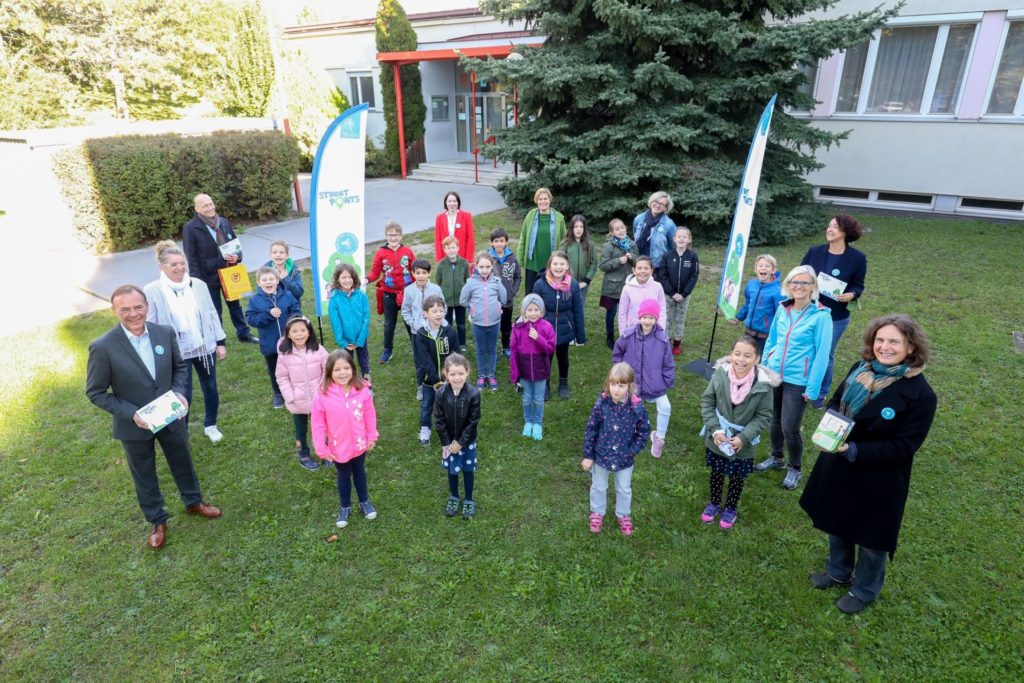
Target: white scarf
x,y
185,314
452,218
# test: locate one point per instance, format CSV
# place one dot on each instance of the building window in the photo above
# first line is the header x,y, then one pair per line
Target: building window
x,y
361,88
1006,90
439,108
906,70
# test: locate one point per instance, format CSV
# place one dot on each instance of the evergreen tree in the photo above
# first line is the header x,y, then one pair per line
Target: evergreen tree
x,y
632,96
395,34
248,70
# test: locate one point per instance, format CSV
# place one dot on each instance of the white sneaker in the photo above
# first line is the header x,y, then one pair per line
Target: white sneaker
x,y
424,436
213,433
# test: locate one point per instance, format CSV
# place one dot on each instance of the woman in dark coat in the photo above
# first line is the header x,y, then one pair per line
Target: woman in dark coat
x,y
857,494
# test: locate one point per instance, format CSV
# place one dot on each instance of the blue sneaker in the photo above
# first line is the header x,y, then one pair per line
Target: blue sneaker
x,y
369,511
528,430
538,432
278,401
468,509
507,353
307,461
343,518
386,356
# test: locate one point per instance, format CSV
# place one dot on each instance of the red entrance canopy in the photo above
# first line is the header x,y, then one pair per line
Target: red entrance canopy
x,y
397,59
413,56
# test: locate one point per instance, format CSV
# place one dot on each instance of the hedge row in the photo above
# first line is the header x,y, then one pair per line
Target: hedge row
x,y
130,191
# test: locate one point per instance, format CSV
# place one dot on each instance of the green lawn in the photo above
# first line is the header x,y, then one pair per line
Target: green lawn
x,y
523,592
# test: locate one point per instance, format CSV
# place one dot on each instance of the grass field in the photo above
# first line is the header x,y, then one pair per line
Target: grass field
x,y
524,591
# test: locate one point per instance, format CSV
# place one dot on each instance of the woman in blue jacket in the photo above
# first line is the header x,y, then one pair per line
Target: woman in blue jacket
x,y
797,349
563,308
837,259
653,230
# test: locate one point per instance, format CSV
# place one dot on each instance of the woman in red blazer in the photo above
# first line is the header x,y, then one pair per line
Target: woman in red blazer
x,y
457,223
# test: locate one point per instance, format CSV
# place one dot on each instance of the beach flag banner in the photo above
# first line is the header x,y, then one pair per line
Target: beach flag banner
x,y
337,218
739,238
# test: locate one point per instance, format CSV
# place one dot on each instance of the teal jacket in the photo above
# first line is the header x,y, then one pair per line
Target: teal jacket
x,y
798,345
350,317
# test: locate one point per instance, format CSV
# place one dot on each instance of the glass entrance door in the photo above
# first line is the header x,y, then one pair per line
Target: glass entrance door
x,y
489,113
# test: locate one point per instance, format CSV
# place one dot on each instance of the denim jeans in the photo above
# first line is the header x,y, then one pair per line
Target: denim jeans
x,y
206,370
352,473
427,405
664,413
486,340
868,571
838,328
599,490
361,355
533,401
787,416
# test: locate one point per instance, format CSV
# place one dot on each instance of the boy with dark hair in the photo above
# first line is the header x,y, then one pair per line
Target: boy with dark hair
x,y
434,341
511,274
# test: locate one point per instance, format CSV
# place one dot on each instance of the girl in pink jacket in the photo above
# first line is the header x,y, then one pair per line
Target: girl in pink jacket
x,y
345,430
638,289
300,370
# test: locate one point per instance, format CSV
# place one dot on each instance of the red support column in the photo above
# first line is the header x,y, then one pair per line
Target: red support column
x,y
472,112
397,71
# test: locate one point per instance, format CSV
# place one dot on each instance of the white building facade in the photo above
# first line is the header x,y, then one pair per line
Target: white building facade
x,y
934,104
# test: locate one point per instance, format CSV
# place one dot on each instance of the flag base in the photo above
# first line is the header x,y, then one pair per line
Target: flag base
x,y
700,367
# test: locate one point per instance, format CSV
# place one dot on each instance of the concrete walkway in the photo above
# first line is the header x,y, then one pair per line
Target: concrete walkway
x,y
65,280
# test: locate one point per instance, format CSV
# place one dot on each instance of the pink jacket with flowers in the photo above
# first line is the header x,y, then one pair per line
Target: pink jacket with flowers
x,y
299,376
343,425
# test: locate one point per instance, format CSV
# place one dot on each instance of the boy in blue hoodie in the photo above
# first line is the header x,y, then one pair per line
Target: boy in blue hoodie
x,y
511,273
761,298
268,311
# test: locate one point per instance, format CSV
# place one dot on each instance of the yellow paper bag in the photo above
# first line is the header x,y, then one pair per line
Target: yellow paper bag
x,y
234,282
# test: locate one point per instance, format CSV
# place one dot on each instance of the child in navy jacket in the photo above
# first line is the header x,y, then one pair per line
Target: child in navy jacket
x,y
269,309
616,431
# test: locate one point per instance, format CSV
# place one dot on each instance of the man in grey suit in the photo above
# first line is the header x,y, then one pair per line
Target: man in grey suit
x,y
130,366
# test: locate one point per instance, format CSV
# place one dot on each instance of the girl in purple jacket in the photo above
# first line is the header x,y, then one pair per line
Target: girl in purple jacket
x,y
645,347
533,342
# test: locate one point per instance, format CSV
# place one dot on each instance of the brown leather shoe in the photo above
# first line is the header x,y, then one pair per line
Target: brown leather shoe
x,y
204,510
157,536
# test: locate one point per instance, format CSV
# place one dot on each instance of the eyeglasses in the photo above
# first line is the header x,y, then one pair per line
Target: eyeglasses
x,y
800,283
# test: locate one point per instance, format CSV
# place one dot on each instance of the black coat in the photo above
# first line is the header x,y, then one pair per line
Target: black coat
x,y
457,417
863,501
201,250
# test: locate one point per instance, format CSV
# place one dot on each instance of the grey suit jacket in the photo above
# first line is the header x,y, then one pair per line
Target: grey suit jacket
x,y
118,382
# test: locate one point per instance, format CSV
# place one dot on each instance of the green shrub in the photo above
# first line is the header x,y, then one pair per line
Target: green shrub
x,y
130,191
378,163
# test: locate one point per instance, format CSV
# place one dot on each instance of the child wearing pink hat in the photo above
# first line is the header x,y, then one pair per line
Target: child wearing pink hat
x,y
645,347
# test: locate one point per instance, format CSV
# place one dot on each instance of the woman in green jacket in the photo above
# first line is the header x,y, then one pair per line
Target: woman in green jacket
x,y
543,230
582,255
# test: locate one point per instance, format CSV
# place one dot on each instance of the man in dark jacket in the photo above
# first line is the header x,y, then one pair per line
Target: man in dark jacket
x,y
202,237
130,366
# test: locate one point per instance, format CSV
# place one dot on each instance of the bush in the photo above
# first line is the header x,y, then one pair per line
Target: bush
x,y
127,192
378,163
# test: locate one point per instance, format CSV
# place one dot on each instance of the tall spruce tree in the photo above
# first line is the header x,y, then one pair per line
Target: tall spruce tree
x,y
627,97
248,66
395,34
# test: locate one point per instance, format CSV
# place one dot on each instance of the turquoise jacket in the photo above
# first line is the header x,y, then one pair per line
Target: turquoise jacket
x,y
798,345
350,317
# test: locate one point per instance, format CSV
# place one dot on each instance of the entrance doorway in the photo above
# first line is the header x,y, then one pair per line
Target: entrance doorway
x,y
490,112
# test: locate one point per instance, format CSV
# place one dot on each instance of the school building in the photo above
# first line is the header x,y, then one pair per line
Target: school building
x,y
934,104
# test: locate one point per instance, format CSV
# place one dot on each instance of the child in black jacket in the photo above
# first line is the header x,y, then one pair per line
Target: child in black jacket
x,y
678,275
431,345
456,416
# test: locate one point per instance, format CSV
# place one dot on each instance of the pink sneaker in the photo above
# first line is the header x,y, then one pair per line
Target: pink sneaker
x,y
596,522
728,519
626,525
657,445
